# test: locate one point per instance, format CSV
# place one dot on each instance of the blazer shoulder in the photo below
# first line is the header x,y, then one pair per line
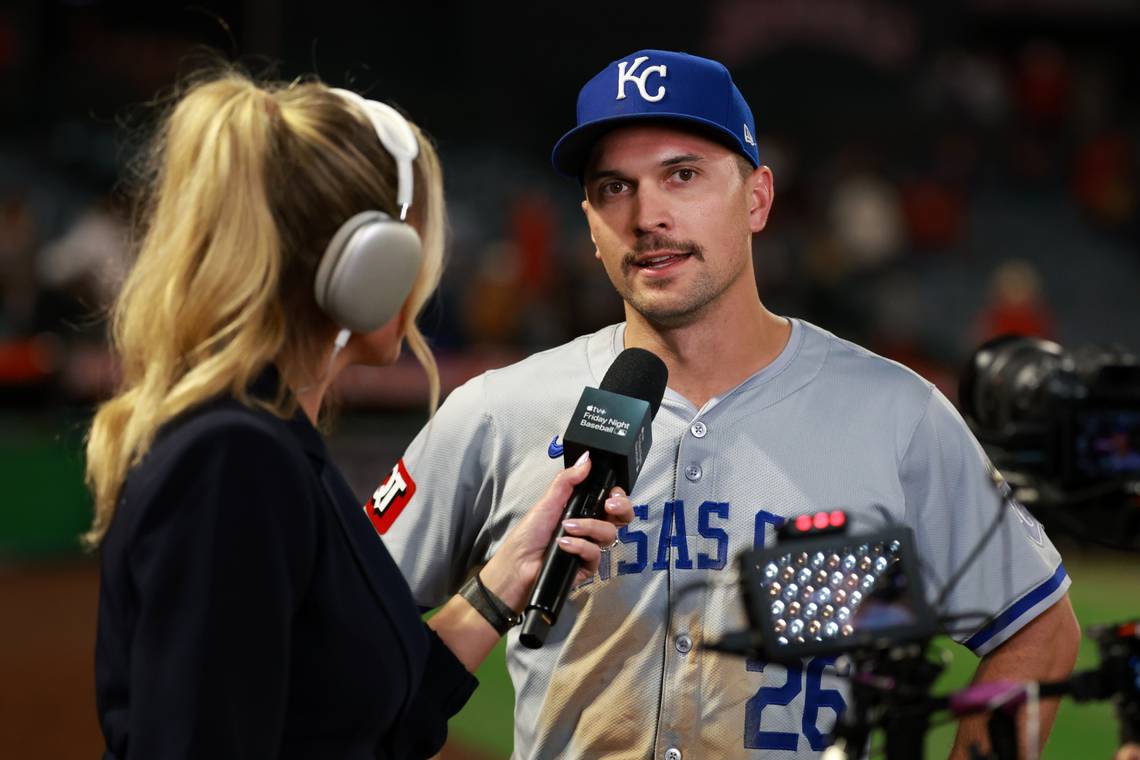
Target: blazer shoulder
x,y
229,424
225,430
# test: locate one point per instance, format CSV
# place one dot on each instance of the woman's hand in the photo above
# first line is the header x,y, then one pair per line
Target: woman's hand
x,y
1128,752
512,572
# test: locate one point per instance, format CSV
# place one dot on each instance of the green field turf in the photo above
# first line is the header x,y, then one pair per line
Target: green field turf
x,y
46,506
1106,588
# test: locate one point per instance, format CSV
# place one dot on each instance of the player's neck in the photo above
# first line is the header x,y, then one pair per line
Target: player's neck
x,y
715,353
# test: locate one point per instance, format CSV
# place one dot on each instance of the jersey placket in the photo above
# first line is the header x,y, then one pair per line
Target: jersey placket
x,y
679,716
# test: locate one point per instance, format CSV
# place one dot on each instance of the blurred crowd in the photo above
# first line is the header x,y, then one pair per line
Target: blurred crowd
x,y
1005,202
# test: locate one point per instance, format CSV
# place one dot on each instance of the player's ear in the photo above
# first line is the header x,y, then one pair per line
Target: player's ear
x,y
590,227
761,193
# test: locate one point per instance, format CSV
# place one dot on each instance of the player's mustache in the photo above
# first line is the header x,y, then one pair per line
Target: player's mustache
x,y
662,243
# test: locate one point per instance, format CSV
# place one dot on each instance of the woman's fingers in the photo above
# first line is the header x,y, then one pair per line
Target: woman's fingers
x,y
618,507
1128,752
587,550
563,484
600,532
587,538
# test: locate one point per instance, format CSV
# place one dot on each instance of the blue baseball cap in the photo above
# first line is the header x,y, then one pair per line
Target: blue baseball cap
x,y
658,85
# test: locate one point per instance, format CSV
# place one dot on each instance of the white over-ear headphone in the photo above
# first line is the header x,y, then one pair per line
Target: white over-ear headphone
x,y
372,261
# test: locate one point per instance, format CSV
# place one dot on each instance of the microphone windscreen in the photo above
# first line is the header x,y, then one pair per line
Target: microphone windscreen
x,y
638,373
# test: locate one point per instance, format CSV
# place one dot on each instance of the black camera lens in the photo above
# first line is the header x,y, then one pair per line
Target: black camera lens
x,y
1009,378
1062,419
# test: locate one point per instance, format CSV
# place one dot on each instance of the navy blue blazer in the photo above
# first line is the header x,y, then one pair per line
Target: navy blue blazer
x,y
247,608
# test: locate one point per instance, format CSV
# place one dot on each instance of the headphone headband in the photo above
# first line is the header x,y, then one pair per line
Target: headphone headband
x,y
372,261
396,136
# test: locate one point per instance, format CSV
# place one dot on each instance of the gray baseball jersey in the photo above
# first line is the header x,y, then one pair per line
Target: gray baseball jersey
x,y
826,425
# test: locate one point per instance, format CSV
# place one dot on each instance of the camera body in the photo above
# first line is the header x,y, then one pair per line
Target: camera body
x,y
1062,421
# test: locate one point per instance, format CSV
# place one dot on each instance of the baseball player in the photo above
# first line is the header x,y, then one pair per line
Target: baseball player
x,y
765,417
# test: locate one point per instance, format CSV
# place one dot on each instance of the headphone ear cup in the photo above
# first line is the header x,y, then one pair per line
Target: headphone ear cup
x,y
367,271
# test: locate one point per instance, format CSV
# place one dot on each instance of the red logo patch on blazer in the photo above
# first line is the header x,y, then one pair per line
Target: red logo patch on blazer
x,y
390,498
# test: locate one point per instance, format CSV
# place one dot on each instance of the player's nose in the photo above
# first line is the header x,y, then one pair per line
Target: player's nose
x,y
652,212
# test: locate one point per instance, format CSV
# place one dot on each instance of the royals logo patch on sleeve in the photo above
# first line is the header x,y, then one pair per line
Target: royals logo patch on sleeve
x,y
390,498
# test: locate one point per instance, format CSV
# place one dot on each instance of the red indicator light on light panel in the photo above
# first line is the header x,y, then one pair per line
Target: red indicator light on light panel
x,y
813,524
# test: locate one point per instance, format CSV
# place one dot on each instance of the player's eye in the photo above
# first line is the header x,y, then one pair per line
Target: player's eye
x,y
685,174
611,188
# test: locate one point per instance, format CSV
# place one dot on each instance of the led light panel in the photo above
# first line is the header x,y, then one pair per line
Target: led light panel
x,y
834,593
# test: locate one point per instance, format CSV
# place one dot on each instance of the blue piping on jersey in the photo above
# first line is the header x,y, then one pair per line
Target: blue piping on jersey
x,y
1018,608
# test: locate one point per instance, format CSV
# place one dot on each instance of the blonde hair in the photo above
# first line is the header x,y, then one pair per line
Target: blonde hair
x,y
245,185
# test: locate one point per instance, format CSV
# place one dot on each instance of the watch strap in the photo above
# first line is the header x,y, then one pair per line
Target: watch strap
x,y
493,609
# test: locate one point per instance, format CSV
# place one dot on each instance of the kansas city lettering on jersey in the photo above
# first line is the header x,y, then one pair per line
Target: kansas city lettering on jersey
x,y
675,541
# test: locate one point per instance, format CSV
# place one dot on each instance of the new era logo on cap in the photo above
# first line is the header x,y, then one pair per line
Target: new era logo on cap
x,y
658,85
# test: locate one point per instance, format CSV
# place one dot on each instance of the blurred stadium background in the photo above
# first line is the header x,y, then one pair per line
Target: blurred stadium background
x,y
945,172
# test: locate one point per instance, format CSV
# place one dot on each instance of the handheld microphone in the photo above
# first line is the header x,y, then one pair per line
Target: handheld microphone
x,y
614,423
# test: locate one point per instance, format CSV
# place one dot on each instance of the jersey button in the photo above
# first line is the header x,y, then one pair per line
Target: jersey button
x,y
698,429
672,754
684,644
693,472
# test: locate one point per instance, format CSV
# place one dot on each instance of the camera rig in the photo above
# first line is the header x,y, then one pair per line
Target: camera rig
x,y
821,591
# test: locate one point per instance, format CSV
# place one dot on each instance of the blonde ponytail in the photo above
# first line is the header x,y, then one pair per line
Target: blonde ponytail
x,y
246,186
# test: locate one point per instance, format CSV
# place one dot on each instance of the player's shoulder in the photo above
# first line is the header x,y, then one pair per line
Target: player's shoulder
x,y
865,373
545,375
563,364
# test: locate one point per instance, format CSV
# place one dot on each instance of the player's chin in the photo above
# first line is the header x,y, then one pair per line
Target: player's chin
x,y
665,312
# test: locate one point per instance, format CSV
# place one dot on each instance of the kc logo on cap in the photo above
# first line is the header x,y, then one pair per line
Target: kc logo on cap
x,y
630,76
695,93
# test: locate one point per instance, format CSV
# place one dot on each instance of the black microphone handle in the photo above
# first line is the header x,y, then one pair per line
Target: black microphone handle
x,y
559,567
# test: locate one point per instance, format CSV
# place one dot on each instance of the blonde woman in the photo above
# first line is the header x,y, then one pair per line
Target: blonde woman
x,y
247,606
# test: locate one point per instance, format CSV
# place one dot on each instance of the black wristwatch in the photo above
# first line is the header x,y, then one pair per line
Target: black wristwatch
x,y
496,612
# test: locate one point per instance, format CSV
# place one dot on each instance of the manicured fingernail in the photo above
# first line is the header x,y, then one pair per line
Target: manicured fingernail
x,y
564,541
583,459
612,504
570,525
